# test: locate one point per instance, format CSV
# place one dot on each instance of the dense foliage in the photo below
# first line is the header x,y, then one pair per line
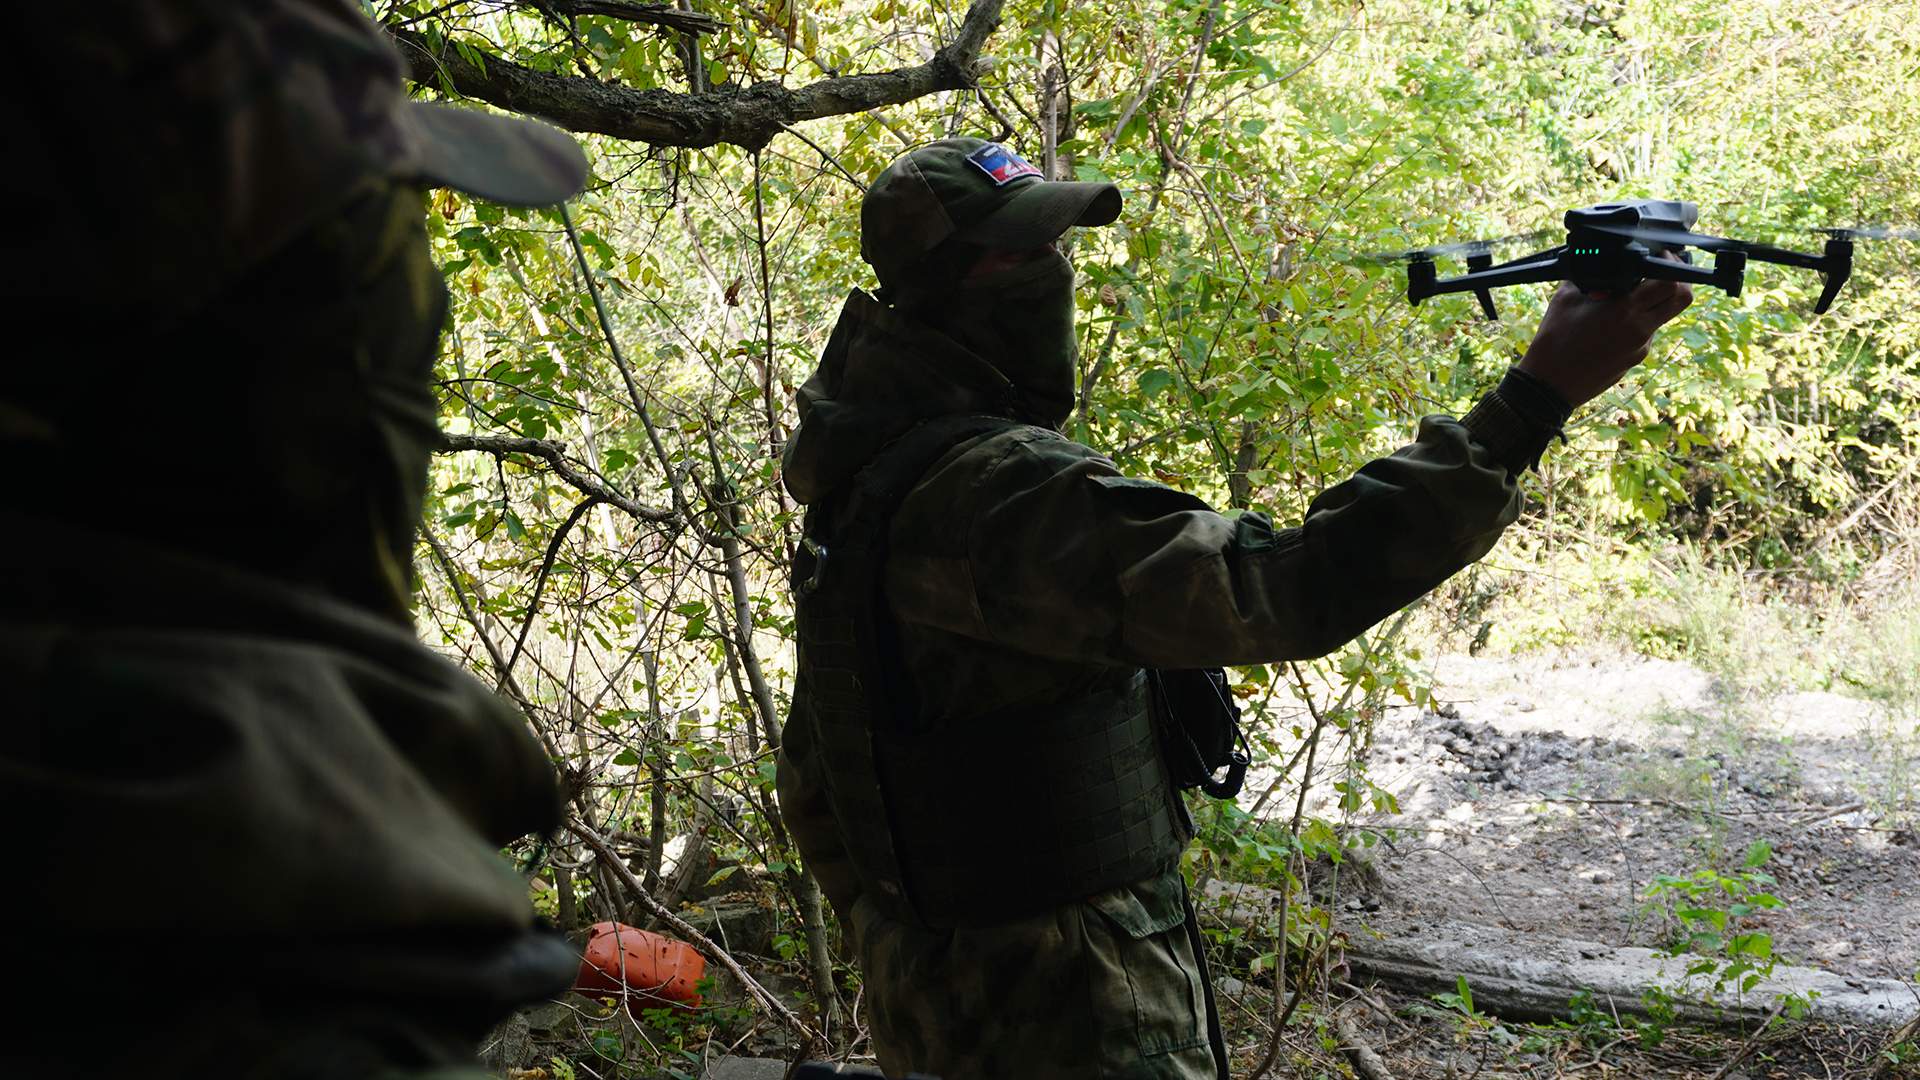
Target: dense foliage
x,y
1229,346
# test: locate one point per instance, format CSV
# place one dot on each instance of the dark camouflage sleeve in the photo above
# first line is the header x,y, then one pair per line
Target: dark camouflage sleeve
x,y
809,817
1041,545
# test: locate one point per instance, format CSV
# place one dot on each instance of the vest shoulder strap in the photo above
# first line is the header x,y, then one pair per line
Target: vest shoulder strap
x,y
880,488
848,536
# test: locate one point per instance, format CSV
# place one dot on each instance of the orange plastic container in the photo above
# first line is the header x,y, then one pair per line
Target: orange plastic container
x,y
654,971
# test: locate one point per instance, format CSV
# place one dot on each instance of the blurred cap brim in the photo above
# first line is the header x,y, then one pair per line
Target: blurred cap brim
x,y
1039,212
504,159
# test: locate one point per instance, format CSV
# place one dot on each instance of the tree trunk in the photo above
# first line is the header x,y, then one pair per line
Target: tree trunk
x,y
806,891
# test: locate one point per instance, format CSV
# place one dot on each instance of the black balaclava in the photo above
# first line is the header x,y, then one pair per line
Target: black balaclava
x,y
1019,319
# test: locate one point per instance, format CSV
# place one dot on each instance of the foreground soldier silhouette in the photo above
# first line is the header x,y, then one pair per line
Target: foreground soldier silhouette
x,y
970,765
256,821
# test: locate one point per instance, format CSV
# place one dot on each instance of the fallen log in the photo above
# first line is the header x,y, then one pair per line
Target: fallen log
x,y
1525,976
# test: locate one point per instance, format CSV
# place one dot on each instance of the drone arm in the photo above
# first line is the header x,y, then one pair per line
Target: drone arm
x,y
1765,253
1728,271
1546,267
1836,263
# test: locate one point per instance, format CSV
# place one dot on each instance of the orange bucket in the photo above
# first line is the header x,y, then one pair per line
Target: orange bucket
x,y
654,971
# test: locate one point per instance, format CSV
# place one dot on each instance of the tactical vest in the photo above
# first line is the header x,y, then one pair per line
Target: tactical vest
x,y
987,820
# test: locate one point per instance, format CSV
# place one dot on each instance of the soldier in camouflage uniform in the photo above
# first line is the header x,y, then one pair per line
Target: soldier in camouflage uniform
x,y
970,772
256,822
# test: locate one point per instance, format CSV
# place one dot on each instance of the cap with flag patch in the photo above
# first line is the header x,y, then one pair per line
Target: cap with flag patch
x,y
982,192
1002,164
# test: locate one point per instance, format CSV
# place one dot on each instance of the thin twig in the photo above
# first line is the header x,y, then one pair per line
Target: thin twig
x,y
546,567
826,154
507,681
620,361
1825,814
1752,1041
809,1037
1272,1053
774,442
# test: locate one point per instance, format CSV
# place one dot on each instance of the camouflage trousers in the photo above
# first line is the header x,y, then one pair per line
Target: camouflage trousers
x,y
1107,988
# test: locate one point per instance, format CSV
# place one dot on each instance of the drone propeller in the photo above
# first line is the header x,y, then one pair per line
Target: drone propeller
x,y
1674,238
1869,232
1468,248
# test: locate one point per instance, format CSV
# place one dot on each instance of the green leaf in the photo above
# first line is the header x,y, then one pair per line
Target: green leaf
x,y
607,1045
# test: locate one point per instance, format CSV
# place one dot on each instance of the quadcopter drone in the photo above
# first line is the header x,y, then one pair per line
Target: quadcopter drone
x,y
1613,247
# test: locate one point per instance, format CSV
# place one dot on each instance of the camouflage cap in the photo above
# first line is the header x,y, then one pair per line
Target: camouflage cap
x,y
976,190
229,127
338,75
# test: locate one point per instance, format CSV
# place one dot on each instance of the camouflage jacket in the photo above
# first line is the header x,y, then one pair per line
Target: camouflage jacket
x,y
1035,559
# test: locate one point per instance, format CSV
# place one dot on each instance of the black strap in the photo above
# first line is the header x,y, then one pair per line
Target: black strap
x,y
899,465
859,525
878,492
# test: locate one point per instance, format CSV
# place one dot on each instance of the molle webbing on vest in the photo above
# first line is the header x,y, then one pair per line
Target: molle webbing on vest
x,y
991,818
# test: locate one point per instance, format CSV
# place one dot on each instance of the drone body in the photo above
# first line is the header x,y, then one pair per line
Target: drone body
x,y
1613,247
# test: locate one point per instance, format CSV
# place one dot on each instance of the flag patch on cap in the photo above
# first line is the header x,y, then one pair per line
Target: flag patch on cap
x,y
1001,164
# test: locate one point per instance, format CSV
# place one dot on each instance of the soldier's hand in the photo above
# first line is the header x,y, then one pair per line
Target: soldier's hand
x,y
1586,343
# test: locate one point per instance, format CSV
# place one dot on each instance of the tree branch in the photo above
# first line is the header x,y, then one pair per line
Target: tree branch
x,y
673,18
546,566
555,455
748,117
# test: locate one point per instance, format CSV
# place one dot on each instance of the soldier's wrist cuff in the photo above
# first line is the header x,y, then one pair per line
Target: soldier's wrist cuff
x,y
1533,399
1517,420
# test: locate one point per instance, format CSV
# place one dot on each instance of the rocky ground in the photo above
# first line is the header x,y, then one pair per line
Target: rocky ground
x,y
1545,794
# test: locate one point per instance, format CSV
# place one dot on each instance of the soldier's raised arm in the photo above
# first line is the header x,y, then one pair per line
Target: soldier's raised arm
x,y
1040,544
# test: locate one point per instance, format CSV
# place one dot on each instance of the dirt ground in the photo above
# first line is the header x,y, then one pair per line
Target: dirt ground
x,y
1545,793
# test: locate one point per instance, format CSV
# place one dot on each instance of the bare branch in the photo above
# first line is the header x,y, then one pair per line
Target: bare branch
x,y
555,455
748,117
673,18
546,567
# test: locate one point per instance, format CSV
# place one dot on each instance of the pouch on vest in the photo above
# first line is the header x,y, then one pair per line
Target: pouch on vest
x,y
1200,731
